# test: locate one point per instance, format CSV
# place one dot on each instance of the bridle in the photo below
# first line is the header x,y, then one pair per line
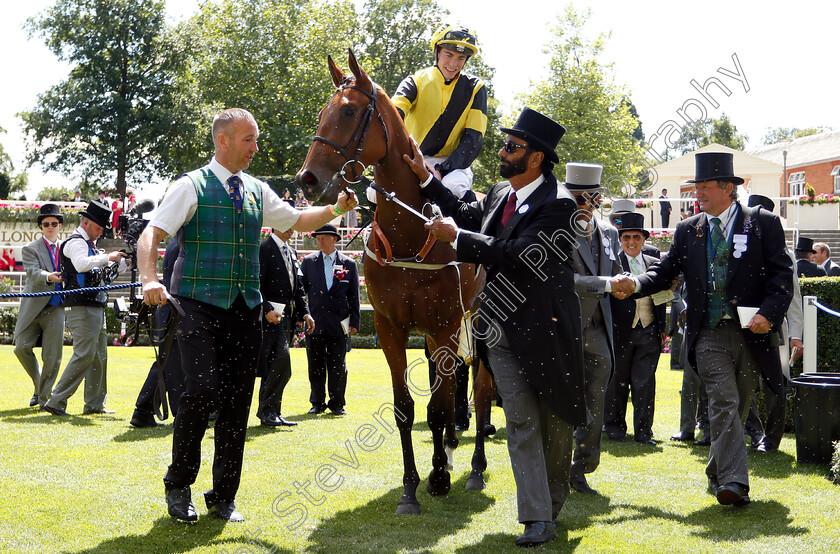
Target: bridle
x,y
358,137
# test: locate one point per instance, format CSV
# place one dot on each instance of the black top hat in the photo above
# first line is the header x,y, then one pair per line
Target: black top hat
x,y
763,201
98,213
805,245
542,133
630,221
50,210
328,229
714,166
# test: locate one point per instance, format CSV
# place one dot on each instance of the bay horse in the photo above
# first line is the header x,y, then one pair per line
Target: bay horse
x,y
414,283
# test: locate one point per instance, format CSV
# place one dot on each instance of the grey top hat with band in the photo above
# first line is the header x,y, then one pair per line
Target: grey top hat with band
x,y
763,201
805,245
621,206
581,177
714,166
328,229
630,221
50,210
542,133
99,213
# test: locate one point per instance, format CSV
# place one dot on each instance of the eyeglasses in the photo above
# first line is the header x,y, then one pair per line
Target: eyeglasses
x,y
50,224
509,146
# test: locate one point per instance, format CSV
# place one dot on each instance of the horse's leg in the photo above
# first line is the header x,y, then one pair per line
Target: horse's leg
x,y
393,342
441,413
483,394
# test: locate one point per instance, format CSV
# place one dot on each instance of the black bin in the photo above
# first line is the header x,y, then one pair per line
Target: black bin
x,y
816,402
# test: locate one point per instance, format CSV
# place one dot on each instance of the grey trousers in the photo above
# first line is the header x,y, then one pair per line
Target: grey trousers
x,y
49,324
539,442
89,360
598,366
730,374
694,405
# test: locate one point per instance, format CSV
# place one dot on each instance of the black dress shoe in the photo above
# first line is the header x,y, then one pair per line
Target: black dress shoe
x,y
223,510
764,447
179,504
285,422
489,430
270,420
683,437
91,411
314,410
756,439
462,426
616,438
649,442
53,411
536,533
140,420
734,494
705,441
33,401
581,486
339,411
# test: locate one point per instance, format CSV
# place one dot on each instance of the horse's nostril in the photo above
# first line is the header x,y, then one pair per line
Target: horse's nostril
x,y
309,178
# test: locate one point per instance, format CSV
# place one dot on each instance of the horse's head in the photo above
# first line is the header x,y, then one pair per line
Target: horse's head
x,y
351,135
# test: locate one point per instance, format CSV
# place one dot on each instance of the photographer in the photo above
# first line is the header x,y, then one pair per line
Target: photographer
x,y
82,266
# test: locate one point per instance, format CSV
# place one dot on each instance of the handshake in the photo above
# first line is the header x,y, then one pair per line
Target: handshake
x,y
623,286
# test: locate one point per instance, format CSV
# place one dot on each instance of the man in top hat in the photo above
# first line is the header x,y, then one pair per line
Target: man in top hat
x,y
638,334
822,257
86,313
804,266
595,262
732,257
527,326
42,316
331,282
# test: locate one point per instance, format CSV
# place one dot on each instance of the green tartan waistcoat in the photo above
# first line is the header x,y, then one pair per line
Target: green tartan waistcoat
x,y
222,247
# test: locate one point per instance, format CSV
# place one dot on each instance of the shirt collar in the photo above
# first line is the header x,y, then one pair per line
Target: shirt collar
x,y
222,173
523,193
83,233
725,216
279,241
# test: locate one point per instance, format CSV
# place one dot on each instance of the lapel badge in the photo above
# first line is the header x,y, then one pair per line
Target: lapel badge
x,y
523,208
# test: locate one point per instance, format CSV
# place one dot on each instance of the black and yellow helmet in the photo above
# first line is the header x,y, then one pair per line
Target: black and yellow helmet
x,y
459,39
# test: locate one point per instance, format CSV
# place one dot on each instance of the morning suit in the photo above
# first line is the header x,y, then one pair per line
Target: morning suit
x,y
279,283
326,347
527,328
804,268
753,271
637,328
831,269
595,262
40,317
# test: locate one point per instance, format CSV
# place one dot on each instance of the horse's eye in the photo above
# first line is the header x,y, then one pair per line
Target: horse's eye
x,y
350,111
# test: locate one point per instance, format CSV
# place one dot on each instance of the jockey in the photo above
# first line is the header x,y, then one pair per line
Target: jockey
x,y
445,110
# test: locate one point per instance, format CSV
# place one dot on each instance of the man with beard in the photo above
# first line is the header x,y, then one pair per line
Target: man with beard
x,y
528,325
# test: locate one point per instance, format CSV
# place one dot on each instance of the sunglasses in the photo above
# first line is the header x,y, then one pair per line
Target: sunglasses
x,y
509,146
50,224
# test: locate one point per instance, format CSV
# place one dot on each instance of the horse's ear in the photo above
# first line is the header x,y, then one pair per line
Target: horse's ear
x,y
335,72
362,79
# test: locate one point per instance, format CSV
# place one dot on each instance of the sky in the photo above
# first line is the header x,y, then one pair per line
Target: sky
x,y
774,59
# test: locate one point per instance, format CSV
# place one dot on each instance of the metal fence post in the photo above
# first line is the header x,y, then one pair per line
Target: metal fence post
x,y
809,360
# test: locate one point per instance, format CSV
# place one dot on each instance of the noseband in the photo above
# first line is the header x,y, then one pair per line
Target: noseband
x,y
358,137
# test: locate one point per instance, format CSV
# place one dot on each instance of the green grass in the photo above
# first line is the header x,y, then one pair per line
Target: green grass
x,y
93,484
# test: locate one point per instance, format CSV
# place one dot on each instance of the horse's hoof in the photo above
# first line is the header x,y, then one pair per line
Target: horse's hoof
x,y
476,484
439,483
408,507
490,430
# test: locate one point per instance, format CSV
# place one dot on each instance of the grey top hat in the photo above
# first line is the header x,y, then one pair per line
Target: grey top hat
x,y
99,213
328,229
583,176
50,210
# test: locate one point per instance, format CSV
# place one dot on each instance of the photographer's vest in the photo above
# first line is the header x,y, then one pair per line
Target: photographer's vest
x,y
72,279
220,248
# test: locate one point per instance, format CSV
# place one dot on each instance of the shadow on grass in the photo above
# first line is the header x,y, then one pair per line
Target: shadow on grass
x,y
722,523
134,434
170,537
32,415
374,527
628,447
499,542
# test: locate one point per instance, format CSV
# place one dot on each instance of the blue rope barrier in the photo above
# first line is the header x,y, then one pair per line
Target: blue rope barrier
x,y
66,292
827,310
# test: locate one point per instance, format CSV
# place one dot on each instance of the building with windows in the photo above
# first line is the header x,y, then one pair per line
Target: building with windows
x,y
813,160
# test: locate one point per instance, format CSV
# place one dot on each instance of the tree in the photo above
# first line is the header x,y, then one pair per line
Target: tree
x,y
788,133
707,131
117,114
580,93
10,184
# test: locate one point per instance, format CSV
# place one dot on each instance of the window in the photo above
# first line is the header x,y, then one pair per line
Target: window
x,y
796,181
836,173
